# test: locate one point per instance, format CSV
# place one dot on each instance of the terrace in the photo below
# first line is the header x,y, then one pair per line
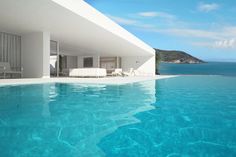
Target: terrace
x,y
70,33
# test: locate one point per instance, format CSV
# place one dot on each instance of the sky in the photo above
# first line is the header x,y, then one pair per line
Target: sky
x,y
205,29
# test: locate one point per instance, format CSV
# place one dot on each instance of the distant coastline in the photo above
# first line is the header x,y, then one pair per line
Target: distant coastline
x,y
177,57
211,68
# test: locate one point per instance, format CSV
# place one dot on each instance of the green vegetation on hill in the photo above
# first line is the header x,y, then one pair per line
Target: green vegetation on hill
x,y
178,57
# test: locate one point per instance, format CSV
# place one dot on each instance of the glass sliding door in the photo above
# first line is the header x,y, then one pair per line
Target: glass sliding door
x,y
54,59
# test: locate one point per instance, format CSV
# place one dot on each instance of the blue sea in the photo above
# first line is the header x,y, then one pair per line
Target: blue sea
x,y
210,68
190,116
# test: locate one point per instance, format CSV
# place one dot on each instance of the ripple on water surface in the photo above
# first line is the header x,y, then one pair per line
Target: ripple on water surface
x,y
184,116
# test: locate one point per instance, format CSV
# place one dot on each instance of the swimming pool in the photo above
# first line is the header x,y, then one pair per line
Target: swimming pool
x,y
183,116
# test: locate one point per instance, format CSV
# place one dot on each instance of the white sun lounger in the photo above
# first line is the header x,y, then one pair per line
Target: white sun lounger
x,y
130,73
117,72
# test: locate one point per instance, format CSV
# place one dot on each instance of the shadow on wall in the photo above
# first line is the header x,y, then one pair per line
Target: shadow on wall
x,y
144,64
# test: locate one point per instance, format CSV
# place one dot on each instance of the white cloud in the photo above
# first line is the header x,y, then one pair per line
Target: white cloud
x,y
220,44
203,44
217,34
123,21
130,22
188,33
157,14
220,38
224,37
192,33
148,14
228,43
204,7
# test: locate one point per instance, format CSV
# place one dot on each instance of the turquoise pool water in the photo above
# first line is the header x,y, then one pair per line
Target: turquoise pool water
x,y
183,116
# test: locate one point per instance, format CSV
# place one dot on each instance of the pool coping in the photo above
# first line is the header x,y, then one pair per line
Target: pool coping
x,y
106,80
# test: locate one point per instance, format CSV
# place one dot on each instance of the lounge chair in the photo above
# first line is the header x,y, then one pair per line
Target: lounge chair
x,y
5,69
130,73
64,72
117,72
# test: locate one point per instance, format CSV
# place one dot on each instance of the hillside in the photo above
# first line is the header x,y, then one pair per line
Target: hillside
x,y
179,57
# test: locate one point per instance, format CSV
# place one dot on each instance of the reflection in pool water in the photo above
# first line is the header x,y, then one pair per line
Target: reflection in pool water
x,y
67,119
183,116
193,116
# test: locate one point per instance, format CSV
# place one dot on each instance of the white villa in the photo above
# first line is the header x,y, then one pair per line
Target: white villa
x,y
45,38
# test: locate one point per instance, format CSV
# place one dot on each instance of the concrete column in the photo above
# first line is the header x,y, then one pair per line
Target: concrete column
x,y
58,59
36,55
98,61
117,62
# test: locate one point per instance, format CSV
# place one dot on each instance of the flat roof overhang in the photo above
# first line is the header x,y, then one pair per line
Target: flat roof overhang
x,y
80,29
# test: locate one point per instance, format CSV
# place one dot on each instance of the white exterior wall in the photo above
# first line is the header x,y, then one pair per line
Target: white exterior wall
x,y
86,11
96,62
36,55
61,18
144,65
46,54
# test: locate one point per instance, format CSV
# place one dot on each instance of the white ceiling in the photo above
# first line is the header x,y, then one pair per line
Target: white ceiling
x,y
77,35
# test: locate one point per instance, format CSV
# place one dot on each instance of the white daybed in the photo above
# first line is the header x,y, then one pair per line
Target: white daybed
x,y
88,72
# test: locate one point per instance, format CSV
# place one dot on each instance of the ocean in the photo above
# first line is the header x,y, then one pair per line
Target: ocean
x,y
210,68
